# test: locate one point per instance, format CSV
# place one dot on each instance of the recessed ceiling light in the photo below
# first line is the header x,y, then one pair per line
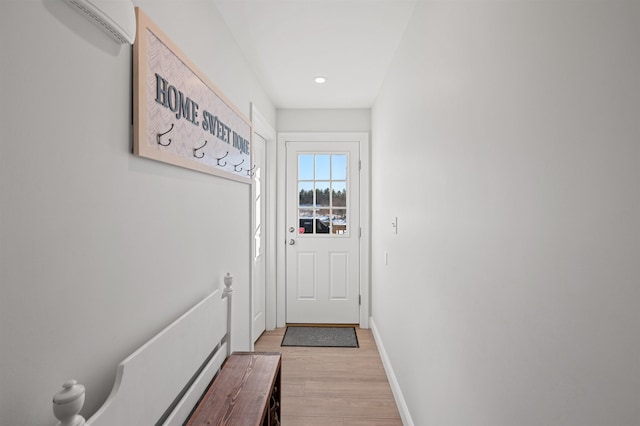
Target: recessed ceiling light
x,y
320,79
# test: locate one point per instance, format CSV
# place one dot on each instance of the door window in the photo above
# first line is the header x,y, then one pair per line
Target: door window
x,y
322,194
257,232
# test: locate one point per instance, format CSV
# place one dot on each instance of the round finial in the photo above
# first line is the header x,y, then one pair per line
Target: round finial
x,y
228,281
68,402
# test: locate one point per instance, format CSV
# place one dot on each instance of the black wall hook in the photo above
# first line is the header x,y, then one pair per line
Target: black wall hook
x,y
196,149
218,160
235,166
251,172
160,135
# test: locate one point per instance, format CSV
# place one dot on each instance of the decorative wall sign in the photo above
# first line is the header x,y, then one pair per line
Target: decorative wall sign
x,y
180,117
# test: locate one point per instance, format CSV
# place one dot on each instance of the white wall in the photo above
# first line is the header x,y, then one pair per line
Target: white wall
x,y
324,120
99,249
506,141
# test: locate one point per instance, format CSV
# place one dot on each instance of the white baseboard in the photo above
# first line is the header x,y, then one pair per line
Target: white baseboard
x,y
393,381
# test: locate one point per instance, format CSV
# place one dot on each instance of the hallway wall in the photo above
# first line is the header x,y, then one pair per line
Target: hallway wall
x,y
99,249
506,142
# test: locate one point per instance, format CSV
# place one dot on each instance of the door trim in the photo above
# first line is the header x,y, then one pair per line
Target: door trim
x,y
262,127
365,215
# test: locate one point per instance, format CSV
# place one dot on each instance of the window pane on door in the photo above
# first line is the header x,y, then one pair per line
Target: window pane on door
x,y
339,194
305,219
323,221
305,194
323,167
305,167
322,194
339,167
339,222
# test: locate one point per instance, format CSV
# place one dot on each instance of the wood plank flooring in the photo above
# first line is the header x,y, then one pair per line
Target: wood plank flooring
x,y
333,386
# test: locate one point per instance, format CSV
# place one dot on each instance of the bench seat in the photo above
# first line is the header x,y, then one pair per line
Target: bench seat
x,y
246,392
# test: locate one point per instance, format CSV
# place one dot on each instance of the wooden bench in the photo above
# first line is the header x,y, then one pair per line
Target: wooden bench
x,y
245,393
164,381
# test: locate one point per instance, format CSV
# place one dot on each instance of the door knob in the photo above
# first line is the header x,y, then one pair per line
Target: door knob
x,y
292,229
292,242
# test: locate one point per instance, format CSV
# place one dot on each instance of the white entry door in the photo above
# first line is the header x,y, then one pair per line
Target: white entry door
x,y
322,232
258,276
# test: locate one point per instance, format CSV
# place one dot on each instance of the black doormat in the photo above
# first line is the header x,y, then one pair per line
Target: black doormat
x,y
327,337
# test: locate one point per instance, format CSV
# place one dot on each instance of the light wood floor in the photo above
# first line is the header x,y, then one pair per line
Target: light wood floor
x,y
333,386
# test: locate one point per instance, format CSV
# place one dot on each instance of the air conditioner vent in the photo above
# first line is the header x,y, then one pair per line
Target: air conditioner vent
x,y
114,17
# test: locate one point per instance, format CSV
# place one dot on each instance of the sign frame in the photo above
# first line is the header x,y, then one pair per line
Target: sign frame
x,y
186,122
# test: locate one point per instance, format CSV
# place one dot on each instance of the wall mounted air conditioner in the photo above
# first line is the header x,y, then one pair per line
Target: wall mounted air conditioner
x,y
117,18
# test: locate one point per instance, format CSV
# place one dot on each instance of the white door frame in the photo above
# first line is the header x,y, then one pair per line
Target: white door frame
x,y
365,215
262,127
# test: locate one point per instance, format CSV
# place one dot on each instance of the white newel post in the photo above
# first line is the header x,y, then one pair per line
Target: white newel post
x,y
67,403
228,281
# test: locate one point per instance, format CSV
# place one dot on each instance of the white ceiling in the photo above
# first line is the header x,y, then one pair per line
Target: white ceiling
x,y
289,42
